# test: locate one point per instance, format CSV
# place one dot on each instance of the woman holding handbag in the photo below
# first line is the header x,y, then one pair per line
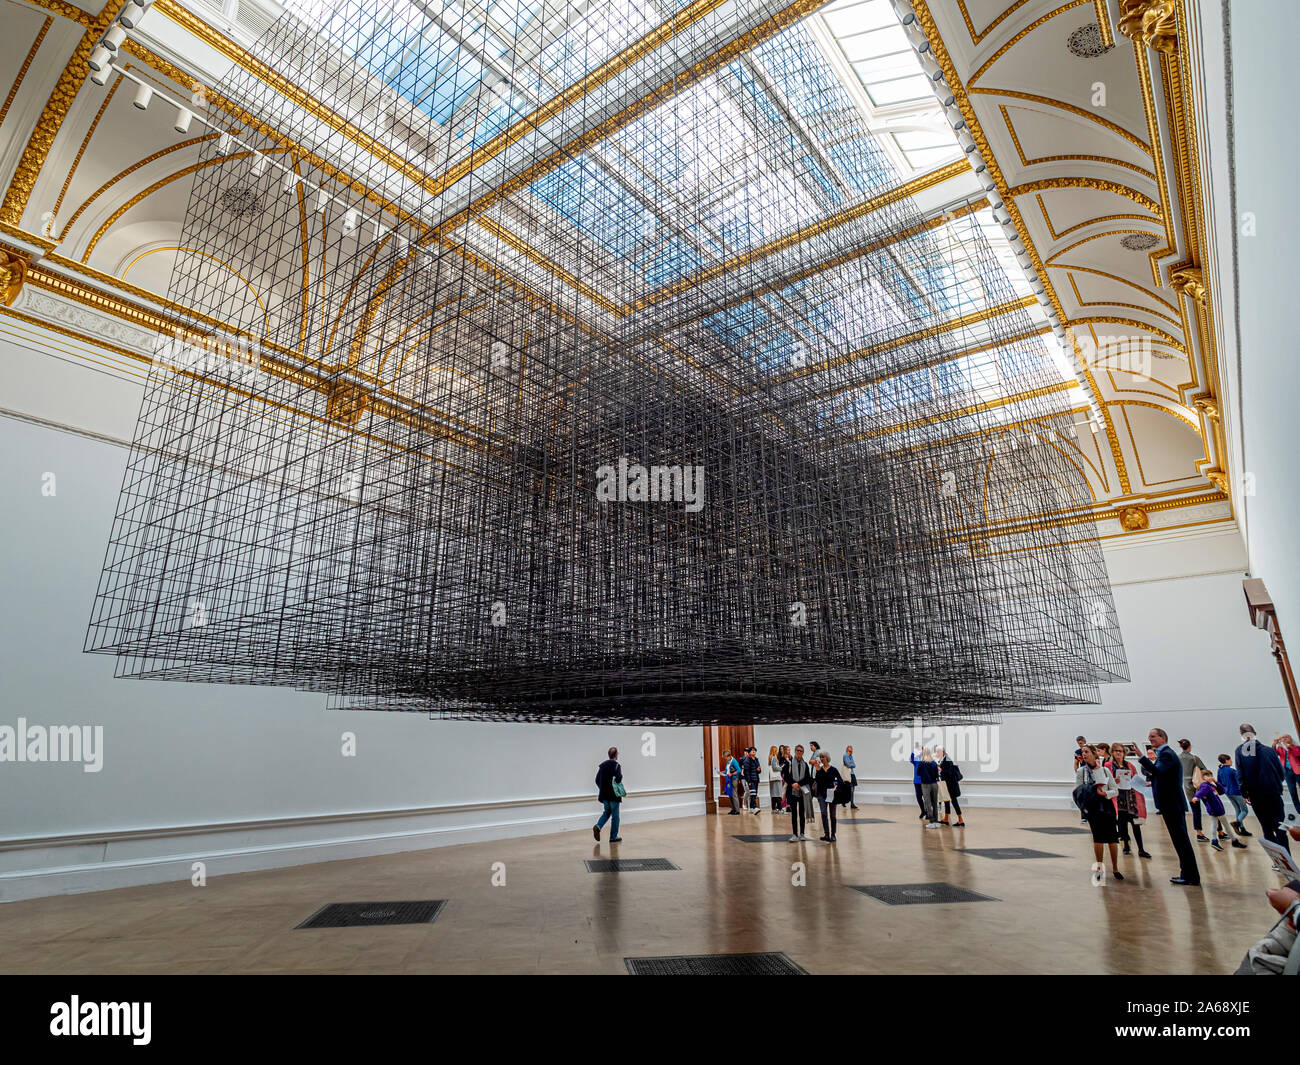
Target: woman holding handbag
x,y
830,792
1093,794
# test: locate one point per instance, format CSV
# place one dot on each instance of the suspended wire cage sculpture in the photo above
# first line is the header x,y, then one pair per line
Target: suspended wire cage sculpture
x,y
586,363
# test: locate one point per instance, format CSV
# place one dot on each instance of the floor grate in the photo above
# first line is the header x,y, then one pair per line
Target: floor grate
x,y
918,894
779,837
1007,853
629,865
1060,830
772,964
364,914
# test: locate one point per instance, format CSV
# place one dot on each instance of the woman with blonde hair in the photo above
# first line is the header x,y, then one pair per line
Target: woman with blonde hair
x,y
775,786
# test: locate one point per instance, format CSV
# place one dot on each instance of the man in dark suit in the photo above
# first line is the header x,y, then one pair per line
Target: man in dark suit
x,y
1166,772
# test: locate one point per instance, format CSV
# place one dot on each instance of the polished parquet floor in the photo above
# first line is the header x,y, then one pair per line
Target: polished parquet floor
x,y
552,916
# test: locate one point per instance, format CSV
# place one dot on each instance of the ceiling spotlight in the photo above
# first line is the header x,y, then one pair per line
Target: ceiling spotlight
x,y
379,229
349,220
100,58
224,143
132,14
291,181
259,164
184,117
322,201
143,94
101,76
113,39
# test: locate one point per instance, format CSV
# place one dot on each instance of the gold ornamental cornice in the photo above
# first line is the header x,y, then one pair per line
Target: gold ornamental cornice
x,y
26,66
13,275
51,119
1150,23
1092,183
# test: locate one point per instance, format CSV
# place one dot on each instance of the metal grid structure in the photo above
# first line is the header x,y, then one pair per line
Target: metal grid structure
x,y
584,363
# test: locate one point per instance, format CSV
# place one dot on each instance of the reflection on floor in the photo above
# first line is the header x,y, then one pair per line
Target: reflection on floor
x,y
551,915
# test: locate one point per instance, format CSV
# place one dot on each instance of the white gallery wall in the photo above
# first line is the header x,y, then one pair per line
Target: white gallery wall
x,y
1198,671
237,777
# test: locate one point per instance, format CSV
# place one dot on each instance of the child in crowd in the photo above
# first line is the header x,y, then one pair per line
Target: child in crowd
x,y
1231,785
1207,793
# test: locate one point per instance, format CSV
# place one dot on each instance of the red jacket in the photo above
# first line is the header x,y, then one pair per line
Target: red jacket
x,y
1290,756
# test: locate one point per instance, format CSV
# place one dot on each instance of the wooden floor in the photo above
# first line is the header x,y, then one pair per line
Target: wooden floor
x,y
552,916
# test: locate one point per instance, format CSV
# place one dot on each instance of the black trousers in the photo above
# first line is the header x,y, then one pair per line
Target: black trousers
x,y
828,809
920,801
1176,826
954,804
797,820
1270,814
1125,820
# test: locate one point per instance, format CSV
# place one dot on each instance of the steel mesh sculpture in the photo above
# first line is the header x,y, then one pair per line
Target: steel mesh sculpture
x,y
585,364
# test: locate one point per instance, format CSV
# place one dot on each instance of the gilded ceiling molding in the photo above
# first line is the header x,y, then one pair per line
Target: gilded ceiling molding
x,y
940,52
903,339
966,412
1207,405
1162,409
180,77
137,165
807,232
151,189
22,70
85,141
1069,108
976,36
1188,282
1133,519
1016,38
51,120
1092,183
65,10
1104,159
1132,323
1151,23
1119,281
1055,235
13,275
1099,236
646,45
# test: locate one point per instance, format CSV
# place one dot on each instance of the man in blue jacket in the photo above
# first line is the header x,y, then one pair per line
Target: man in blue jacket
x,y
1261,775
1166,772
916,780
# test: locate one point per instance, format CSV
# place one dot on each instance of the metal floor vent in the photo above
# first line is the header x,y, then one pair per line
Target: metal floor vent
x,y
1008,853
919,894
773,964
363,914
778,837
1060,830
629,865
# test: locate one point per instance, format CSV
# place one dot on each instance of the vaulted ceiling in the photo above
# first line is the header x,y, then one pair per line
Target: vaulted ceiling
x,y
1080,109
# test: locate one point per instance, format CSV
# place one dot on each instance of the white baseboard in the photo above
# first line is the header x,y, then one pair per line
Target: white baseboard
x,y
63,865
